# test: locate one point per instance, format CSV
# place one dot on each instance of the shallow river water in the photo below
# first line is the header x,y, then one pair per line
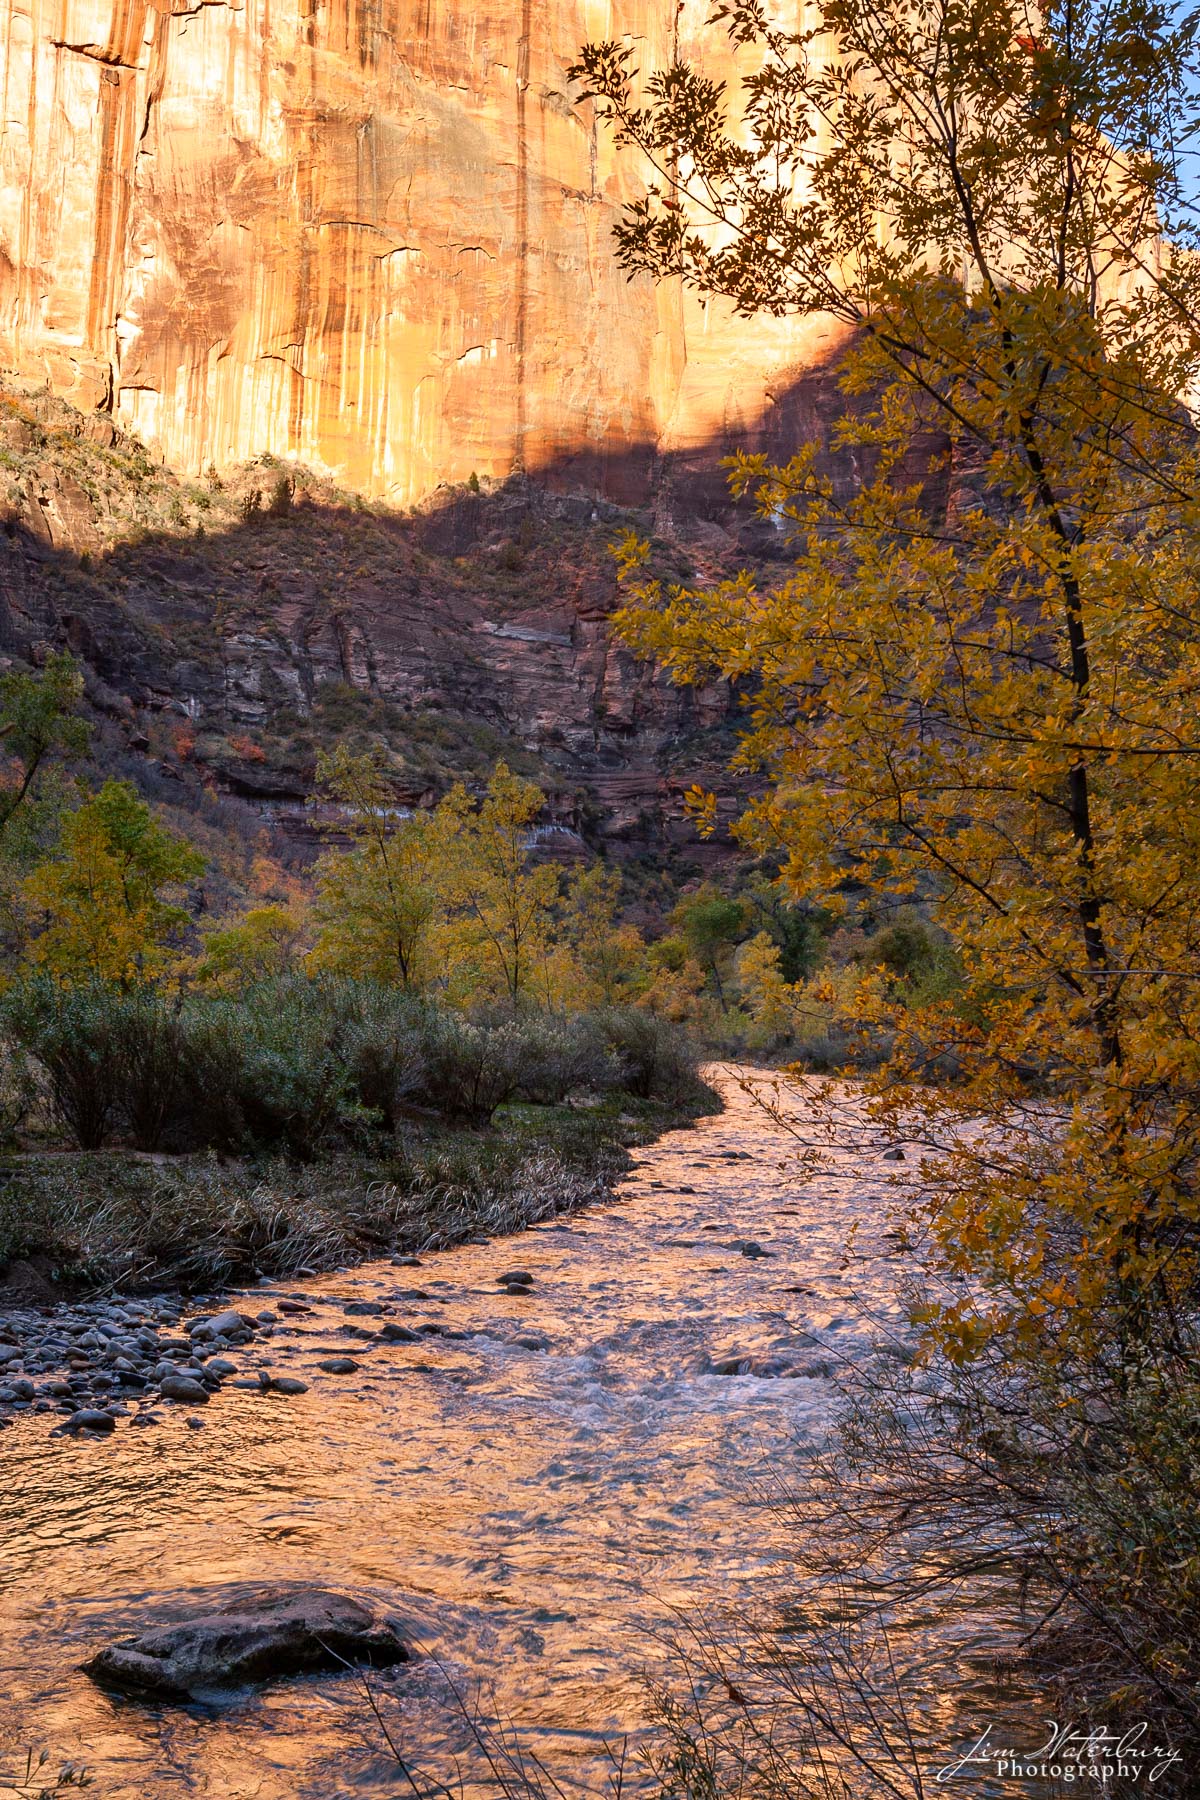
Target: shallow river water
x,y
535,1512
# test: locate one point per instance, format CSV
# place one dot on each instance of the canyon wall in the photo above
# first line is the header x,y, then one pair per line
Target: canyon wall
x,y
371,235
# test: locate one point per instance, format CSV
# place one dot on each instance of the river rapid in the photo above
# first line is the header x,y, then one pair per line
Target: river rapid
x,y
536,1496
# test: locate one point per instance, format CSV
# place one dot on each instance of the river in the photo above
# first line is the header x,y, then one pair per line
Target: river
x,y
536,1498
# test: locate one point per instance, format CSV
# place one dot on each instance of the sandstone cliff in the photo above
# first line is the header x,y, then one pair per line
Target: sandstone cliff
x,y
371,235
231,628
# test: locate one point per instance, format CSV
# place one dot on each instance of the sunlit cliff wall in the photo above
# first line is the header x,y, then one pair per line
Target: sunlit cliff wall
x,y
373,235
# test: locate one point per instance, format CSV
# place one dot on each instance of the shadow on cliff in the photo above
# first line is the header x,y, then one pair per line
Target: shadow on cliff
x,y
236,627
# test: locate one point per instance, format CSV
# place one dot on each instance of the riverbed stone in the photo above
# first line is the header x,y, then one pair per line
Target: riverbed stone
x,y
338,1365
273,1633
224,1325
184,1390
89,1419
288,1384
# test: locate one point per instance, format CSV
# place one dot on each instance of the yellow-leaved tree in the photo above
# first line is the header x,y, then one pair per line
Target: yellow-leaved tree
x,y
378,903
261,945
501,900
976,689
608,956
978,682
106,904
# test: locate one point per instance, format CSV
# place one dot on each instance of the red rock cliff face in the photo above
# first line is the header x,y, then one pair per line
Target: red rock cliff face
x,y
374,235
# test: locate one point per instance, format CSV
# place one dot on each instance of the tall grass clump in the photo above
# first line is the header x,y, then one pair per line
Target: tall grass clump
x,y
306,1121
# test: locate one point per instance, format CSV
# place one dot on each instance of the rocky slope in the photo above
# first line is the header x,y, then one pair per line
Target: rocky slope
x,y
373,235
230,628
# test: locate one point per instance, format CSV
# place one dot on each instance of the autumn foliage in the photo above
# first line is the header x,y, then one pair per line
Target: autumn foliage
x,y
977,686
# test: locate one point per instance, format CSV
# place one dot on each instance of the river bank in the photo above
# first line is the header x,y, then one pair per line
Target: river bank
x,y
534,1484
100,1357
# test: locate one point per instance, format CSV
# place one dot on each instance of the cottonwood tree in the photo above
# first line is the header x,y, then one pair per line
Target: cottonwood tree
x,y
108,901
39,725
979,682
501,901
377,904
606,955
40,731
260,946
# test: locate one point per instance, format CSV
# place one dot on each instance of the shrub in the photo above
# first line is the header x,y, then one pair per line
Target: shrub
x,y
206,1072
73,1035
279,504
469,1070
303,1065
151,1072
17,1093
383,1046
554,1056
211,1114
268,1069
656,1059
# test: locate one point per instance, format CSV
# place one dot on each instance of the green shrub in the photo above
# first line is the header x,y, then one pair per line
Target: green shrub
x,y
74,1036
152,1070
469,1069
306,1067
211,1114
382,1035
269,1068
655,1058
556,1056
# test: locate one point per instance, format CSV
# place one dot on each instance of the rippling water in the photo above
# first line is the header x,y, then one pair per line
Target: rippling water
x,y
535,1514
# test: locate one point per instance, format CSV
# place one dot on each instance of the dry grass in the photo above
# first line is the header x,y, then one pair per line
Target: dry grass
x,y
199,1221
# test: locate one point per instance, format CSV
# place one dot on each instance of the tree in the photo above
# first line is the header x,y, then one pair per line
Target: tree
x,y
766,993
796,929
608,955
39,721
675,989
260,946
501,900
377,903
104,899
980,679
39,729
710,924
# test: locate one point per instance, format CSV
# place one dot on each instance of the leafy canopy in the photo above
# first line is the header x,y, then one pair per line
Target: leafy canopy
x,y
105,900
978,686
377,903
502,901
39,721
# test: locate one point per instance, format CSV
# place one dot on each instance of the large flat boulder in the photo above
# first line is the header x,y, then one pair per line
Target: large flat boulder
x,y
267,1635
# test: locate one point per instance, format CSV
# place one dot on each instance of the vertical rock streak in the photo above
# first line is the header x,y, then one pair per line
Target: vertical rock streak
x,y
371,234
